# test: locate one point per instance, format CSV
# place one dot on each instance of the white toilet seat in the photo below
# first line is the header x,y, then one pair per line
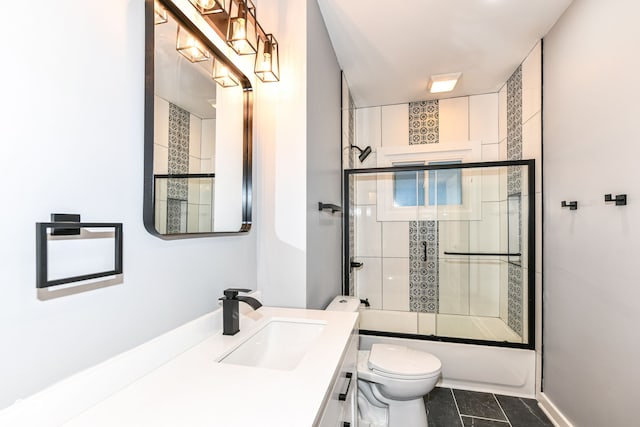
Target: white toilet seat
x,y
400,362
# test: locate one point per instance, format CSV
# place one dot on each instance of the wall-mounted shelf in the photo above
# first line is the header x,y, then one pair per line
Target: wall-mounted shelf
x,y
42,238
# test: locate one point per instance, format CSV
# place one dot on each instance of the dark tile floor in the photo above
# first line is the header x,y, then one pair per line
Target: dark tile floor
x,y
459,408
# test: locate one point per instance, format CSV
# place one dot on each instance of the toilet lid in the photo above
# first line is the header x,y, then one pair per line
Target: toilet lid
x,y
403,361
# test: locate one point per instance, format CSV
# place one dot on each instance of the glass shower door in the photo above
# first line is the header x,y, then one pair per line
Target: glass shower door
x,y
442,250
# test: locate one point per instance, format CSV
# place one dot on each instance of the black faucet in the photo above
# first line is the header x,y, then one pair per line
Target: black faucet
x,y
230,311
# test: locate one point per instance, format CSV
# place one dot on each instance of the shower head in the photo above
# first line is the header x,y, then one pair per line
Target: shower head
x,y
363,153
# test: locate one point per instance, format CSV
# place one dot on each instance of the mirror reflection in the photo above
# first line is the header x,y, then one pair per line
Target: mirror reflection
x,y
199,135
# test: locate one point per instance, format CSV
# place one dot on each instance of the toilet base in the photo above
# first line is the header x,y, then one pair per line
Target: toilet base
x,y
403,413
407,413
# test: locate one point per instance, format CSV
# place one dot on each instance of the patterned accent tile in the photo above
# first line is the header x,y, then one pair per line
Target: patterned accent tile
x,y
514,298
174,216
514,186
352,194
514,130
352,131
424,122
177,188
423,273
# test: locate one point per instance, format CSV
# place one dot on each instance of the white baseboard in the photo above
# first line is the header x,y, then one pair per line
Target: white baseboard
x,y
548,407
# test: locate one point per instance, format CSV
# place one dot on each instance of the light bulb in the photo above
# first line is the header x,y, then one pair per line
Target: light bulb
x,y
206,4
266,62
238,29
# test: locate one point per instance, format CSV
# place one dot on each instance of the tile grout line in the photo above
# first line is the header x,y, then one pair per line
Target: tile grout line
x,y
503,412
488,419
457,407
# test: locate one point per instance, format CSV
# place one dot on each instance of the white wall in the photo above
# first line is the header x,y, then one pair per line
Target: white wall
x,y
72,115
591,292
324,233
280,140
298,161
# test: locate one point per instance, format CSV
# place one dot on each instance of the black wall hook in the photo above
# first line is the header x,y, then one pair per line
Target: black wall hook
x,y
620,199
329,206
572,205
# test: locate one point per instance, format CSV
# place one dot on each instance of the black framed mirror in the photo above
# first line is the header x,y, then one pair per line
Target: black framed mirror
x,y
197,137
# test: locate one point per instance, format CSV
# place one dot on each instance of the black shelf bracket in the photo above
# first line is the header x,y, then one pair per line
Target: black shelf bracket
x,y
328,206
620,199
572,205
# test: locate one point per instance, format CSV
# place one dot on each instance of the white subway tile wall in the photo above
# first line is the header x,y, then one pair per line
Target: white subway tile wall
x,y
395,125
483,126
395,284
454,120
368,281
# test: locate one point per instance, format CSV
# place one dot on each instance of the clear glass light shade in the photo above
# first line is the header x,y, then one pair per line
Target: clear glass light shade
x,y
190,47
242,31
267,66
160,14
222,75
206,7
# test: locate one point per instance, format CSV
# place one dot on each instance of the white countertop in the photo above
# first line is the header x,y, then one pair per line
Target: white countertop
x,y
193,389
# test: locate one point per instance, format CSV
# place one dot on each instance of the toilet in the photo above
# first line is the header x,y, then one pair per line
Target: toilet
x,y
393,379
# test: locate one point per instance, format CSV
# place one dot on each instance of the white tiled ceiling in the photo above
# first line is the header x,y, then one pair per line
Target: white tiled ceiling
x,y
388,49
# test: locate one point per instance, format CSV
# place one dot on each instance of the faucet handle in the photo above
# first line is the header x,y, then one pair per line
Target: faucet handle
x,y
232,293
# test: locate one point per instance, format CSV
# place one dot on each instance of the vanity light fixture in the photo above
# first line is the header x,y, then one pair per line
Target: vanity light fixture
x,y
222,76
267,65
443,82
206,7
238,25
160,14
190,47
242,28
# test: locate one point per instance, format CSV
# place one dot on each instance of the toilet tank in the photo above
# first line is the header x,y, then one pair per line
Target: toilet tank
x,y
344,303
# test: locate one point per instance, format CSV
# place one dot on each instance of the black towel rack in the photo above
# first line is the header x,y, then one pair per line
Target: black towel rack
x,y
67,224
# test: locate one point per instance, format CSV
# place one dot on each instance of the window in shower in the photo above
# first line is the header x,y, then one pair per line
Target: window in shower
x,y
445,185
408,189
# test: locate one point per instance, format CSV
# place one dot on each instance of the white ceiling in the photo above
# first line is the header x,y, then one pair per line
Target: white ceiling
x,y
388,49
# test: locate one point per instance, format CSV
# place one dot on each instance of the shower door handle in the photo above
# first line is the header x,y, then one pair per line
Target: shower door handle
x,y
424,251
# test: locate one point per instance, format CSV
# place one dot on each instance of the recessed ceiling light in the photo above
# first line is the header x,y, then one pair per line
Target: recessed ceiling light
x,y
443,82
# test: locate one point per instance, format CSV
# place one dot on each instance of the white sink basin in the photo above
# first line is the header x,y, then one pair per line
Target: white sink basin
x,y
280,344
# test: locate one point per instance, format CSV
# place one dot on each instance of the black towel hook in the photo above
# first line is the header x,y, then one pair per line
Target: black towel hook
x,y
572,205
620,199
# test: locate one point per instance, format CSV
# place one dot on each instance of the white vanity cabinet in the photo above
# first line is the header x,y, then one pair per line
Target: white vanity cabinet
x,y
341,408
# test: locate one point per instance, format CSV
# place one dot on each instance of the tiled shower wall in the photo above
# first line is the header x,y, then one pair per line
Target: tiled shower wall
x,y
393,276
520,102
387,277
183,143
